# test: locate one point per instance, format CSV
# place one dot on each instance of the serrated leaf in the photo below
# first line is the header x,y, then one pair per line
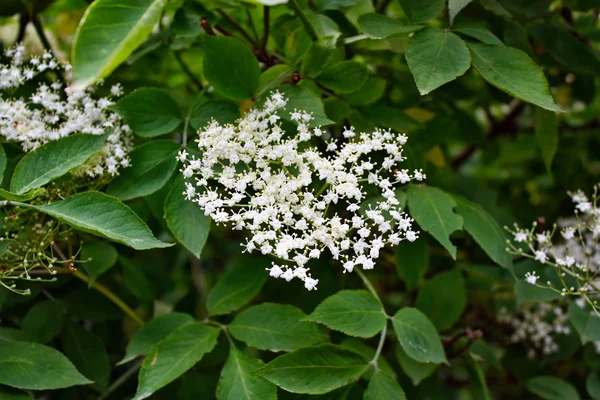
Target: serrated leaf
x,y
418,336
29,195
237,287
412,261
422,10
107,35
354,312
153,332
378,26
512,71
382,386
456,6
485,230
275,327
552,388
87,352
433,211
152,164
53,160
478,384
318,56
415,370
221,110
477,31
302,98
174,355
43,321
104,216
185,219
314,370
237,381
36,367
586,323
149,112
435,57
98,258
546,135
344,77
230,67
443,298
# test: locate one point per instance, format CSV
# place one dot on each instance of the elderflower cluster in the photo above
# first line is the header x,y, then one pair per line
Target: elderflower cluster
x,y
296,201
536,325
53,112
574,256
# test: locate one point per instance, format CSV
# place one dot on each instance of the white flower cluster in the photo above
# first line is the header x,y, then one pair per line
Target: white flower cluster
x,y
575,257
53,112
298,202
536,325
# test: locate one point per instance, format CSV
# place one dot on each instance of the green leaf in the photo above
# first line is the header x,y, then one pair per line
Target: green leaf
x,y
415,370
564,46
546,135
275,327
368,353
221,110
456,6
36,367
43,321
104,216
149,112
412,261
443,298
592,384
433,211
237,287
514,72
378,26
422,10
108,33
418,336
136,280
477,31
435,57
87,352
7,393
52,160
152,333
382,386
354,312
237,381
369,93
185,219
586,323
230,67
478,384
29,195
314,370
3,162
318,56
98,258
174,355
344,77
302,98
552,388
152,164
485,230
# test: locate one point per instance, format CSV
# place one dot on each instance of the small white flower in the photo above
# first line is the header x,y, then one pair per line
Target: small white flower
x,y
531,278
310,283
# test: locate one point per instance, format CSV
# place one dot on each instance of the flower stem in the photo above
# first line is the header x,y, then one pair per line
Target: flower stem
x,y
111,296
368,284
187,70
302,16
122,379
379,348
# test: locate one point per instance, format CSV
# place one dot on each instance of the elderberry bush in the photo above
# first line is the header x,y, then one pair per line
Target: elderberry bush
x,y
299,199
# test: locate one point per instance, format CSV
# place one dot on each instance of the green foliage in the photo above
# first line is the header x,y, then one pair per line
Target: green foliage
x,y
237,380
354,312
275,327
149,112
382,386
53,160
36,367
99,257
443,298
314,370
418,336
551,388
153,165
43,321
